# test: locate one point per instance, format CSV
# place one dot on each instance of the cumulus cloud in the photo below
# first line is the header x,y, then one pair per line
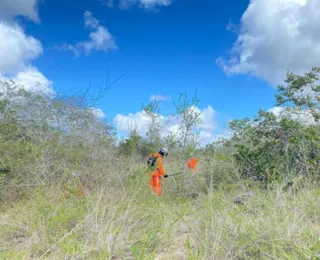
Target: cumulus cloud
x,y
100,38
276,36
97,112
159,98
146,4
16,48
139,120
12,8
169,124
33,80
208,116
303,116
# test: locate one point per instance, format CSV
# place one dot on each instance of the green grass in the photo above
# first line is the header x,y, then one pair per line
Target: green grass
x,y
128,222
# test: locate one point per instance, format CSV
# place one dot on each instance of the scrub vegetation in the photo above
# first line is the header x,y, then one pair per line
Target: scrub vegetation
x,y
70,190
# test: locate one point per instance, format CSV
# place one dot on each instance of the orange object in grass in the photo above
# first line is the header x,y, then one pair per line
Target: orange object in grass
x,y
192,164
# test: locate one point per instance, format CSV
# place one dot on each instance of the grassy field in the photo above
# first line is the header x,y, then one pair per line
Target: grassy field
x,y
70,190
120,219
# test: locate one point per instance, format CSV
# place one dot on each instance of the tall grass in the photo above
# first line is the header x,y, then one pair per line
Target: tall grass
x,y
66,193
122,220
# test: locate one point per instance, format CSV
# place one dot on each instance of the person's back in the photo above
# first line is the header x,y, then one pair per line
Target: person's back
x,y
155,162
155,169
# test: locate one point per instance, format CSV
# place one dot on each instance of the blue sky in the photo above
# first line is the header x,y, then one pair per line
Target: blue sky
x,y
164,48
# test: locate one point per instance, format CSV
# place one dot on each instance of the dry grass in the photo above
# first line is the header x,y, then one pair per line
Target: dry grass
x,y
119,219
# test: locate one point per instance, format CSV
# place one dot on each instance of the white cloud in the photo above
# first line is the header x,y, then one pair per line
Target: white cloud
x,y
276,35
12,8
232,27
208,116
68,47
146,4
33,80
100,38
159,98
303,116
124,122
168,123
97,112
109,3
16,48
276,110
90,21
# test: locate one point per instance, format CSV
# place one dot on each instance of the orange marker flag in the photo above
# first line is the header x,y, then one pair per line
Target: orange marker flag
x,y
192,164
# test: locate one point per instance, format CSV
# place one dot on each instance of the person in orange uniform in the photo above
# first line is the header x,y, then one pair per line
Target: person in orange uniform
x,y
156,171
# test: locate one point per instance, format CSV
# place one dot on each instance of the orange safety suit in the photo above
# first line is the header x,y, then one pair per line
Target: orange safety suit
x,y
156,173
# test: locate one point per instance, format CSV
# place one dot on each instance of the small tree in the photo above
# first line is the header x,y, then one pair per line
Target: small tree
x,y
152,111
302,92
190,118
130,146
171,141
